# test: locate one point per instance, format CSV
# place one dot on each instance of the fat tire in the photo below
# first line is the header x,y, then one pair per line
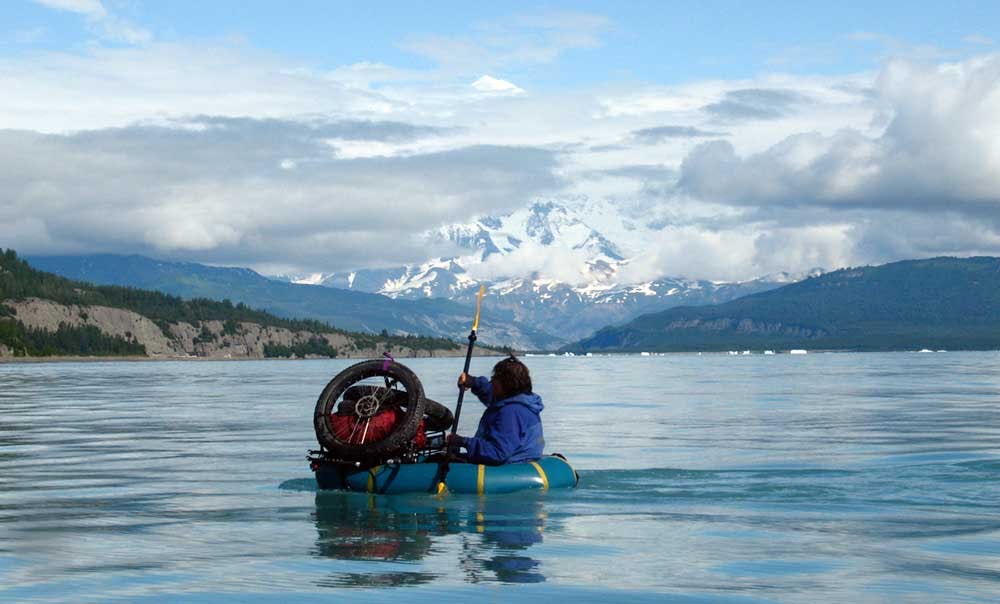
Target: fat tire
x,y
437,417
404,430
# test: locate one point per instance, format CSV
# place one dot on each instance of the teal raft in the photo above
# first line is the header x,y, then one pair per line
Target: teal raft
x,y
549,472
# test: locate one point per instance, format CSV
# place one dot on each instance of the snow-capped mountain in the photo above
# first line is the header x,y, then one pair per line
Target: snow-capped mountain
x,y
498,249
549,266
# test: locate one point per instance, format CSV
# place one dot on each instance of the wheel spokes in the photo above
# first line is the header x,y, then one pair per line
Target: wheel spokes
x,y
357,423
370,405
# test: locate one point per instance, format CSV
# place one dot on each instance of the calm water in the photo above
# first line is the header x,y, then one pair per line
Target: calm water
x,y
825,478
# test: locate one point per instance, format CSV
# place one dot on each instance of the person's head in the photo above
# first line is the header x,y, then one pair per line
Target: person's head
x,y
510,377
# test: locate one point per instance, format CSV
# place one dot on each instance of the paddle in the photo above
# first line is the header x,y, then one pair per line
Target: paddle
x,y
444,467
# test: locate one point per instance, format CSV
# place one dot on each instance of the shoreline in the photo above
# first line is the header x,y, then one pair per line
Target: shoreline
x,y
487,353
158,359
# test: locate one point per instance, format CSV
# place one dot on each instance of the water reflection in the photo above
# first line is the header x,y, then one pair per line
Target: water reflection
x,y
395,538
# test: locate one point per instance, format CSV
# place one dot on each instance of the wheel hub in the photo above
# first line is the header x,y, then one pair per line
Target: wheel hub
x,y
367,406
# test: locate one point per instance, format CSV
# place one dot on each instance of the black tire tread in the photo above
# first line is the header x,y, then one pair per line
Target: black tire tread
x,y
437,417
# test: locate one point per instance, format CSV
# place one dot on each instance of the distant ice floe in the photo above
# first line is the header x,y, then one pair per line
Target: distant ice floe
x,y
644,354
925,350
798,351
768,352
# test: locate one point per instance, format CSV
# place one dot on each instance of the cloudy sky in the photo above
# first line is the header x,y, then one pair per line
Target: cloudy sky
x,y
744,138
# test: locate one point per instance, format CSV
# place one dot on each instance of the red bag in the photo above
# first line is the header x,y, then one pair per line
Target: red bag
x,y
353,429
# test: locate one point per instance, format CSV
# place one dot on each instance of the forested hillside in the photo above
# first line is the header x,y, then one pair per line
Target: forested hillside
x,y
19,281
951,303
355,311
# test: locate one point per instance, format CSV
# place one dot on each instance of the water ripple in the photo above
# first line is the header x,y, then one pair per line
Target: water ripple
x,y
832,478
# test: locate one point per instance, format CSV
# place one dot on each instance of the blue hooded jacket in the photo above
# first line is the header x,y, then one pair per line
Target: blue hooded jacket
x,y
510,430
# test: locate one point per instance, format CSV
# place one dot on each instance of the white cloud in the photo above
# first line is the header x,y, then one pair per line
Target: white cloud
x,y
490,84
695,252
927,183
89,8
224,191
62,92
653,101
941,148
532,258
220,152
109,26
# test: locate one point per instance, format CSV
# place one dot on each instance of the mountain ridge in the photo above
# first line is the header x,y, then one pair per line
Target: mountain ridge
x,y
942,302
349,310
563,309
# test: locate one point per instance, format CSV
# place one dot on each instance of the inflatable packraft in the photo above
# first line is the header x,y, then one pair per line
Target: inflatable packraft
x,y
379,434
549,472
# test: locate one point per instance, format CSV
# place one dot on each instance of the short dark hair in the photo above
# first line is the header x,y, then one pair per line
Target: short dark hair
x,y
512,376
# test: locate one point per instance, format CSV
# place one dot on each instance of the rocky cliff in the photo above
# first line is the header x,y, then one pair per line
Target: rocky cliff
x,y
203,339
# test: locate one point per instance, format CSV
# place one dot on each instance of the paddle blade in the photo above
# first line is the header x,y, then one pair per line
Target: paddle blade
x,y
479,305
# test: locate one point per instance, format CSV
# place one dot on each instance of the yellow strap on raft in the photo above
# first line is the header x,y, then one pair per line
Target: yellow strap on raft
x,y
371,478
442,488
541,472
481,479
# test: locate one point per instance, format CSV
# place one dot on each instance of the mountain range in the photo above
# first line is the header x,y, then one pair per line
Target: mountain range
x,y
528,311
348,310
950,303
493,250
938,303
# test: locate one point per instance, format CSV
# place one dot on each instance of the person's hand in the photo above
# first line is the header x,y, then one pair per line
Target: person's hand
x,y
463,380
453,441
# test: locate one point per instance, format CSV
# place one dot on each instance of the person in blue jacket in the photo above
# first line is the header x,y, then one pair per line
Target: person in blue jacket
x,y
510,430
